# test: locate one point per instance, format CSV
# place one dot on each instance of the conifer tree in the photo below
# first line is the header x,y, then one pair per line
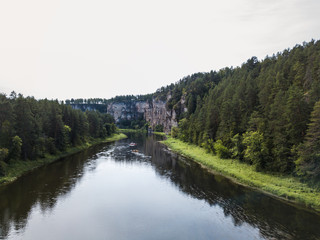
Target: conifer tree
x,y
309,160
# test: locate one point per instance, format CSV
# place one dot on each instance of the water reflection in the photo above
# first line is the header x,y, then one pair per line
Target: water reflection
x,y
42,187
274,218
46,186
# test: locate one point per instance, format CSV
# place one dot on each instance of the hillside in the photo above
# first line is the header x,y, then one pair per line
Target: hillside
x,y
265,113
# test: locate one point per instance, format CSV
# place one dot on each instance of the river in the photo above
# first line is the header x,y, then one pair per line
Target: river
x,y
112,192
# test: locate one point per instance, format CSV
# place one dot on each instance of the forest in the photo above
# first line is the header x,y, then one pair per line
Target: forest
x,y
265,113
103,101
31,129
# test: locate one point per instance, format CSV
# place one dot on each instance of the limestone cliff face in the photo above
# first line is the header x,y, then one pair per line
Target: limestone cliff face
x,y
158,114
154,111
126,111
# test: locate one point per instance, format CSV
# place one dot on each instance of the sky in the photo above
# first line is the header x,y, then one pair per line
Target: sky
x,y
62,49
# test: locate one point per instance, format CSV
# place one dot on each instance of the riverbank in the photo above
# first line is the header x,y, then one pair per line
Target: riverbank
x,y
20,167
128,130
287,188
141,131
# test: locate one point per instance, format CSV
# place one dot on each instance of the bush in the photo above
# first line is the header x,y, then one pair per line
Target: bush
x,y
158,128
3,168
174,132
3,154
238,148
221,150
50,146
255,149
15,152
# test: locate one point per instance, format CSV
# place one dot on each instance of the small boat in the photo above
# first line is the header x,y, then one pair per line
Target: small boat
x,y
135,150
132,144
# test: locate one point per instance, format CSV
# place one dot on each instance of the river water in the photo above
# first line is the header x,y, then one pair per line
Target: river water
x,y
112,192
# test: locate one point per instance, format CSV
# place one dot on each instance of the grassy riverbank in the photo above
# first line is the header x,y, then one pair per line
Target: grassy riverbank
x,y
125,130
140,131
285,187
20,167
159,134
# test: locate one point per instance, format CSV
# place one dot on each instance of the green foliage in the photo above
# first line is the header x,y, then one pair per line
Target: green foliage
x,y
132,124
3,168
110,128
221,150
268,101
66,135
4,152
17,168
238,147
158,128
50,145
174,132
100,104
255,149
183,130
283,186
208,145
32,128
15,151
309,154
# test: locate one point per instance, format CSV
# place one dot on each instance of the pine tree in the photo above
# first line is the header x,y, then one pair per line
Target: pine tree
x,y
309,160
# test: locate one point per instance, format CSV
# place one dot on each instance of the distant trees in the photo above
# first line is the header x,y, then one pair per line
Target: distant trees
x,y
102,101
30,128
158,128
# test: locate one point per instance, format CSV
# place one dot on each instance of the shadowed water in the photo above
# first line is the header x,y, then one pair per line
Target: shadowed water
x,y
111,192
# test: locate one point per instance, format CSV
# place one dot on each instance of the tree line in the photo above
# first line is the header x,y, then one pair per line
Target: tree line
x,y
103,101
31,128
265,113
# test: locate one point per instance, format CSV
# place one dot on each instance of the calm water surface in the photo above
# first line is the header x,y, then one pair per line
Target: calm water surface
x,y
110,192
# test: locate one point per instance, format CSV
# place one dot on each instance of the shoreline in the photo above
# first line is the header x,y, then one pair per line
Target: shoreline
x,y
282,187
19,168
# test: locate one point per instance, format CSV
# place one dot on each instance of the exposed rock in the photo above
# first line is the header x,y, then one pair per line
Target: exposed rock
x,y
154,112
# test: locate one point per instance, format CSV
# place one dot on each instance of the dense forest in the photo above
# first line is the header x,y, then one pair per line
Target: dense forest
x,y
30,129
265,113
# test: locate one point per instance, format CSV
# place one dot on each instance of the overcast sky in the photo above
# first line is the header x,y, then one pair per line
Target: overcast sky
x,y
101,48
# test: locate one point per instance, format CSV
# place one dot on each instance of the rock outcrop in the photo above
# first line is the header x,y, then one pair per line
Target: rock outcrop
x,y
153,111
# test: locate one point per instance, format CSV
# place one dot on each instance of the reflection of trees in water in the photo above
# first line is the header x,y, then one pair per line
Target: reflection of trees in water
x,y
43,187
273,218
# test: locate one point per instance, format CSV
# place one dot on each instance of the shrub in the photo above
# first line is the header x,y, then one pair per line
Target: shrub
x,y
3,154
3,168
221,150
174,132
158,128
255,149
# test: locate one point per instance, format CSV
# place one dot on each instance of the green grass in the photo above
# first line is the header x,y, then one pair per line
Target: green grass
x,y
140,131
282,186
132,130
18,168
159,133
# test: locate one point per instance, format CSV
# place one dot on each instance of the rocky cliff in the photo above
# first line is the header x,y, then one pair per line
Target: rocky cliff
x,y
154,111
